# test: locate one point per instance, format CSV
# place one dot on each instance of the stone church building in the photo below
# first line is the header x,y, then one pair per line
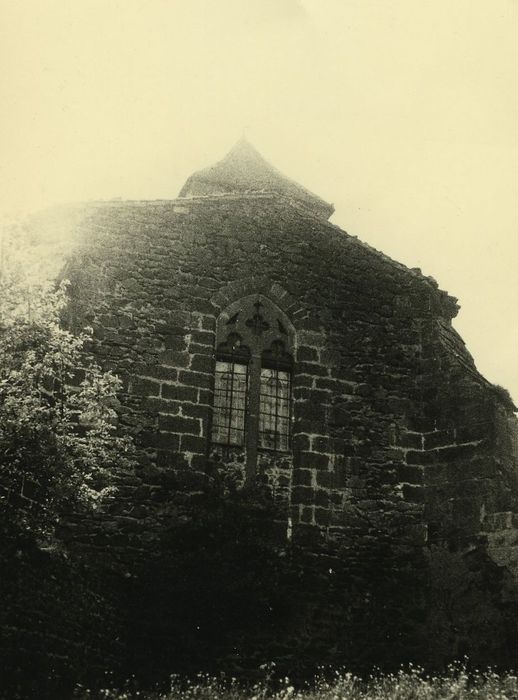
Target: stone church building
x,y
257,338
259,344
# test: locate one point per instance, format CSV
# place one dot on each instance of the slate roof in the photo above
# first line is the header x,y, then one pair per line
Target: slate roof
x,y
244,171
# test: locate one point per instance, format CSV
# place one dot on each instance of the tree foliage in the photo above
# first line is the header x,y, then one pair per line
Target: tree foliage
x,y
58,437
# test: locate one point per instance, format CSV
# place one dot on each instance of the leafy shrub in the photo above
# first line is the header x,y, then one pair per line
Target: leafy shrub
x,y
58,442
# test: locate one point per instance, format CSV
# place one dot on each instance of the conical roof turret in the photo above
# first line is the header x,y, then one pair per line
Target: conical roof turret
x,y
244,171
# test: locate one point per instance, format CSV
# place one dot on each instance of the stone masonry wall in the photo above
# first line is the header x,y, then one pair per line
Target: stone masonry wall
x,y
384,409
398,444
151,282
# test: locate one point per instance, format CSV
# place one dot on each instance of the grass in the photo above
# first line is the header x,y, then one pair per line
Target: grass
x,y
409,684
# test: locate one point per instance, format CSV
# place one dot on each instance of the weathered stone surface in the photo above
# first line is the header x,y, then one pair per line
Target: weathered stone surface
x,y
397,444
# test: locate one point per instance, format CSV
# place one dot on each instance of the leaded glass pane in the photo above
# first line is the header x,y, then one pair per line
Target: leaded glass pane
x,y
230,389
274,409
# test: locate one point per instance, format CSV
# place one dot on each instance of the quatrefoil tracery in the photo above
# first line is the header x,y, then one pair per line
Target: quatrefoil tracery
x,y
258,321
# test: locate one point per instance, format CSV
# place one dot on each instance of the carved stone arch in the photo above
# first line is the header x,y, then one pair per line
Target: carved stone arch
x,y
234,291
258,321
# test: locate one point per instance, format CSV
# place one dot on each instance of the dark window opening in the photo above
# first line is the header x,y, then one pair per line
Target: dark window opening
x,y
230,392
275,398
274,409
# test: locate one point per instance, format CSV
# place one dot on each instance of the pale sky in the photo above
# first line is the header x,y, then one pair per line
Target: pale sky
x,y
403,113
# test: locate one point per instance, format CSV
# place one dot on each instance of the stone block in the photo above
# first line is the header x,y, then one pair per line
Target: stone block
x,y
307,354
195,410
173,358
208,323
303,495
322,516
179,317
192,443
458,452
439,438
307,514
175,343
202,306
321,497
161,372
173,329
410,440
197,379
197,349
335,386
311,368
410,474
421,458
340,415
202,363
179,424
310,460
302,393
472,432
302,380
310,338
301,441
321,443
435,474
179,393
155,405
413,494
167,441
302,477
327,479
313,412
202,338
144,387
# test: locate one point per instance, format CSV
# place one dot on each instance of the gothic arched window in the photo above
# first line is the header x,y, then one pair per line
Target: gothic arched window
x,y
275,398
230,392
254,361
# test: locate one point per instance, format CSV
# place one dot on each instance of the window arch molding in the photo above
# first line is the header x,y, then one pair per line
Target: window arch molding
x,y
240,288
259,322
255,347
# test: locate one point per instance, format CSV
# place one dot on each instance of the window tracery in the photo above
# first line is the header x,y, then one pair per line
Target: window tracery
x,y
252,397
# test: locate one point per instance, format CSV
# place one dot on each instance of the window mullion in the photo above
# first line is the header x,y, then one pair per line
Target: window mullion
x,y
230,403
276,409
252,432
